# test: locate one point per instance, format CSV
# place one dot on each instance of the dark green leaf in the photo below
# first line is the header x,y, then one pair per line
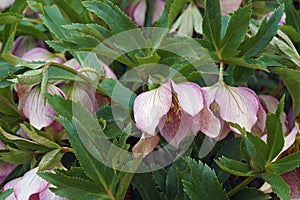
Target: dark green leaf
x,y
78,194
147,189
279,186
250,194
275,138
234,167
235,33
204,182
246,62
291,79
285,164
291,32
212,22
61,106
266,31
292,15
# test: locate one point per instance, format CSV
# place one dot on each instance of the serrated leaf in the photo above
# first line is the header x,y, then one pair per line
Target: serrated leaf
x,y
50,159
60,105
212,22
16,156
144,187
279,186
250,194
9,18
77,194
234,167
285,164
266,31
246,62
235,33
291,79
275,137
204,183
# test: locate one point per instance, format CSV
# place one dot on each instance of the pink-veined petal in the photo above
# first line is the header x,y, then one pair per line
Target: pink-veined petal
x,y
48,195
292,178
189,96
41,54
238,105
85,95
30,184
145,145
151,106
5,170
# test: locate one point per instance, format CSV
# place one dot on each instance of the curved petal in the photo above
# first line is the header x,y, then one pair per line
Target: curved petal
x,y
85,95
189,96
145,145
25,43
238,105
108,72
48,195
5,170
158,9
73,63
41,54
151,106
30,184
139,11
260,125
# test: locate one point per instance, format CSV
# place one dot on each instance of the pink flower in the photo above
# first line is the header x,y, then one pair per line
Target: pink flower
x,y
282,20
31,187
229,6
292,178
176,110
234,104
5,170
136,9
25,43
37,110
5,4
41,54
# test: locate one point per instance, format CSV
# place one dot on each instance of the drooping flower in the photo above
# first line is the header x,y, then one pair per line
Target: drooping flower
x,y
30,186
37,110
234,104
5,4
25,43
136,9
175,109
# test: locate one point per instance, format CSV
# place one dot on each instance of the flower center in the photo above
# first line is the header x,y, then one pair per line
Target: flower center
x,y
175,110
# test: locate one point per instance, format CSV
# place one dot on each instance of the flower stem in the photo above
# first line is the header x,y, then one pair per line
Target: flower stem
x,y
240,186
221,80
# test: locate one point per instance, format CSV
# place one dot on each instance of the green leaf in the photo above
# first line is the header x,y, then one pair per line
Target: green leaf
x,y
292,15
204,182
291,32
9,18
291,79
279,186
212,22
50,159
16,156
104,9
60,105
78,194
6,193
235,33
234,167
266,31
147,189
246,62
285,164
250,194
275,137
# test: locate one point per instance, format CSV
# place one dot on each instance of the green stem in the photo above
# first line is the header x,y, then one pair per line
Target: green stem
x,y
240,186
221,72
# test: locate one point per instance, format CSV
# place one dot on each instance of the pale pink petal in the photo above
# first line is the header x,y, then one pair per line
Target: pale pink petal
x,y
229,6
151,106
37,110
108,72
5,170
189,96
292,178
260,125
145,145
24,44
238,105
138,13
41,54
85,95
48,195
175,126
158,9
289,139
30,184
2,146
73,63
5,4
23,91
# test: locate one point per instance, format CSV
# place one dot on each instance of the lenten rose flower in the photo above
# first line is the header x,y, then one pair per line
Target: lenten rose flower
x,y
234,104
37,110
25,43
41,54
31,187
136,9
175,110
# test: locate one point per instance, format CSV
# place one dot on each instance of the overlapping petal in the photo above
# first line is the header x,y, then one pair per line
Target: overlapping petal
x,y
24,44
41,54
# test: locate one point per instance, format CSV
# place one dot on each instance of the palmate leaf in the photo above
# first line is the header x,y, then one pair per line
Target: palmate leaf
x,y
275,138
266,31
291,79
235,32
204,182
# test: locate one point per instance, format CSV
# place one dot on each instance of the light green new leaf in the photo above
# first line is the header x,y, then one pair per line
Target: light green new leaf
x,y
279,186
51,159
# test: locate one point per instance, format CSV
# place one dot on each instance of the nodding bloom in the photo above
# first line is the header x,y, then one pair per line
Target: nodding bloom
x,y
177,110
31,99
25,43
83,92
31,187
237,105
136,9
